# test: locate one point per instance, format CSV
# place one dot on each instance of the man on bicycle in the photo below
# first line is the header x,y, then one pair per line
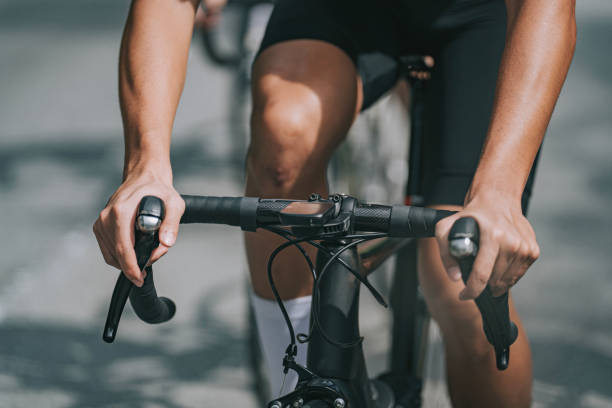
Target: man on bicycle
x,y
499,69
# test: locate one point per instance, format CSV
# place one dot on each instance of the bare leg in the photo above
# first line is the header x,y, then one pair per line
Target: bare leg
x,y
306,94
473,379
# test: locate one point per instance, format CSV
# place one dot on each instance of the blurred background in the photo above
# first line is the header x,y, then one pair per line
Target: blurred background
x,y
61,158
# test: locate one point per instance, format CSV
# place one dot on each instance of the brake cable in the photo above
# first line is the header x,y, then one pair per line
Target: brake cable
x,y
316,290
334,256
292,348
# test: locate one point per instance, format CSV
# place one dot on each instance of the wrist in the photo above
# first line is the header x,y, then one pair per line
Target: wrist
x,y
147,153
492,195
152,166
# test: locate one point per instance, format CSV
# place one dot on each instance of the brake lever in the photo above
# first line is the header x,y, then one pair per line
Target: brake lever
x,y
500,331
148,220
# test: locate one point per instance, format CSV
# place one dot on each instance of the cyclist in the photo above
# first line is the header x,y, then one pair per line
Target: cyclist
x,y
499,68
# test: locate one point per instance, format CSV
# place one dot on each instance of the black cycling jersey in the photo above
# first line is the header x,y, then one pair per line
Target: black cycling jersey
x,y
466,39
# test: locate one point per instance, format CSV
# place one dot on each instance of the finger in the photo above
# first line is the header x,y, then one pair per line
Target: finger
x,y
450,264
157,253
108,256
529,237
517,269
509,252
168,230
482,269
124,250
104,247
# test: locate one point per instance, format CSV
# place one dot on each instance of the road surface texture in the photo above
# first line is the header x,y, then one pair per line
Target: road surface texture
x,y
61,157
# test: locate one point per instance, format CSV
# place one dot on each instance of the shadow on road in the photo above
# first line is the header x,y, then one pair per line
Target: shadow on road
x,y
574,368
36,357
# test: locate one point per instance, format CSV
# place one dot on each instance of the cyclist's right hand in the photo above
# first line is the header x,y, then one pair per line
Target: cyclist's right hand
x,y
114,228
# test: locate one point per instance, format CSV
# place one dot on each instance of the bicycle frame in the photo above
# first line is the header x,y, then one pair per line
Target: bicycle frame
x,y
340,369
339,317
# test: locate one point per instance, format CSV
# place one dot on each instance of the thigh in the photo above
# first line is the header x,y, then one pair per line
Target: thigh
x,y
459,97
366,34
458,105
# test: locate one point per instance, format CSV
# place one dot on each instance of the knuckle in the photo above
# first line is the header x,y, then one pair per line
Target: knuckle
x,y
497,234
471,292
480,278
514,245
115,211
534,253
498,289
523,252
104,214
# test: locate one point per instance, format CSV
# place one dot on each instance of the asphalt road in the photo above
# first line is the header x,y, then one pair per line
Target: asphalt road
x,y
61,157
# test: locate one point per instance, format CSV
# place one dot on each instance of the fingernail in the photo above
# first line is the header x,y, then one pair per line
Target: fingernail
x,y
462,295
454,272
168,238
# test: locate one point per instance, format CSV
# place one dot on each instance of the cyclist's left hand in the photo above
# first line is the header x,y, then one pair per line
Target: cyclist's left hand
x,y
507,247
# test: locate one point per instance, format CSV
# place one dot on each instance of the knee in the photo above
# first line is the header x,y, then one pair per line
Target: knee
x,y
459,321
283,145
461,326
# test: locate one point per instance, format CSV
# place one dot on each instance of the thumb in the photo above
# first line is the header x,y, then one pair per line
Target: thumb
x,y
170,225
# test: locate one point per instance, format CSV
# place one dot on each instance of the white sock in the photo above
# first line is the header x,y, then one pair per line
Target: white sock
x,y
274,337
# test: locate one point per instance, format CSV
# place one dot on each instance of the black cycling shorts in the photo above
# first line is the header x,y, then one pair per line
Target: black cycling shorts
x,y
466,39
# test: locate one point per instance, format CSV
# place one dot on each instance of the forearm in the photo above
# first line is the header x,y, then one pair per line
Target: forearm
x,y
539,48
152,66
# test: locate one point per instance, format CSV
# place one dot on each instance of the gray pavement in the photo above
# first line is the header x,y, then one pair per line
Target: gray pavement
x,y
60,159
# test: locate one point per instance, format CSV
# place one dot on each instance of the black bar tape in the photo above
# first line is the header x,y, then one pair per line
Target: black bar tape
x,y
147,305
212,210
248,213
417,222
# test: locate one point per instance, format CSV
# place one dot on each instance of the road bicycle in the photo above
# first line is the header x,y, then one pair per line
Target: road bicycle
x,y
231,45
335,374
